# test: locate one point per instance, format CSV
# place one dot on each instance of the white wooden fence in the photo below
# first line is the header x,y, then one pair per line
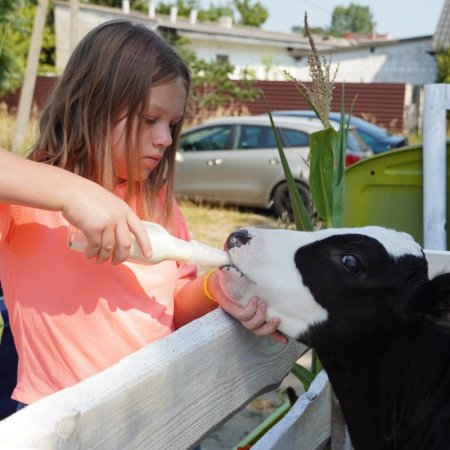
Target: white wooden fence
x,y
172,393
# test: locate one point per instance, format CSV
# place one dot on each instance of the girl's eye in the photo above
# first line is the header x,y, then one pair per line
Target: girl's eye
x,y
149,120
351,263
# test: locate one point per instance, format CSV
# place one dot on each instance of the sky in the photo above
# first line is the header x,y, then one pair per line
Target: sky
x,y
398,18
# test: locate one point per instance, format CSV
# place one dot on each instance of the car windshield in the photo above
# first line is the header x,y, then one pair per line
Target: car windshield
x,y
208,138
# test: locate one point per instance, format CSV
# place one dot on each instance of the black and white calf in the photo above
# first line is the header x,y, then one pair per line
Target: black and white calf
x,y
381,328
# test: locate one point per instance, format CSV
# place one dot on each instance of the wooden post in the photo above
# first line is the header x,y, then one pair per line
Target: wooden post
x,y
27,91
437,101
74,7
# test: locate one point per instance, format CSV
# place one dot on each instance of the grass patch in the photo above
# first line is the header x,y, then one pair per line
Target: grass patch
x,y
212,225
8,126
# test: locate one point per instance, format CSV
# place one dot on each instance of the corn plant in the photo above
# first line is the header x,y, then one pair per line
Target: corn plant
x,y
327,165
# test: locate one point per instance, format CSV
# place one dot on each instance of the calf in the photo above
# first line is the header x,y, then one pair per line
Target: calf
x,y
381,328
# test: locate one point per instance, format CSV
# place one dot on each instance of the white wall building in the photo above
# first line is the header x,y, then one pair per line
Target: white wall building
x,y
267,54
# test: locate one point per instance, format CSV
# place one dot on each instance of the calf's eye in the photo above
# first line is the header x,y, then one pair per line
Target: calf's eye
x,y
351,263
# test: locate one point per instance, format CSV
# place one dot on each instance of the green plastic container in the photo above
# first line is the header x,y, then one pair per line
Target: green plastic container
x,y
387,190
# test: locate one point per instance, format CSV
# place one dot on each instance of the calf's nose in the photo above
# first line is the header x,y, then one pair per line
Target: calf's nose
x,y
238,238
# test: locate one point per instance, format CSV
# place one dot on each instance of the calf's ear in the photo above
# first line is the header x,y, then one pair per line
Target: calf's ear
x,y
437,300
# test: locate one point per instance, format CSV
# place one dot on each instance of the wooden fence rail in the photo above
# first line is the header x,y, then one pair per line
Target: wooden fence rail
x,y
168,395
174,392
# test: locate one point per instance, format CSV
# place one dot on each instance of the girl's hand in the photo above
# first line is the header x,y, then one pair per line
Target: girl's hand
x,y
253,316
106,221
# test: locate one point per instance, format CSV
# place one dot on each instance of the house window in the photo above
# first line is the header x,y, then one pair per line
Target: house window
x,y
222,59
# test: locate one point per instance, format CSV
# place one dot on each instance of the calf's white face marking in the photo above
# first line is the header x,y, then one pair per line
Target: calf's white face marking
x,y
265,267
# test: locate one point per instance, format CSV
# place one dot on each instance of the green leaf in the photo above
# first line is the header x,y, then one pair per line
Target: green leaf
x,y
338,180
255,435
301,216
316,365
322,146
304,375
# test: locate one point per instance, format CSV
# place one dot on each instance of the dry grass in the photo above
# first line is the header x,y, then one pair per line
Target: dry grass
x,y
212,225
7,127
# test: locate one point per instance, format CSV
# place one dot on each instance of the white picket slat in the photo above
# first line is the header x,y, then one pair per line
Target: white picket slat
x,y
438,261
307,425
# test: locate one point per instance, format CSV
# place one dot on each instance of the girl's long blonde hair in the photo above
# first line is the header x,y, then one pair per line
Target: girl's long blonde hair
x,y
109,76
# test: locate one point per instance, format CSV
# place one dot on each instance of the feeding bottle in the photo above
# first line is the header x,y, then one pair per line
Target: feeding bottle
x,y
164,246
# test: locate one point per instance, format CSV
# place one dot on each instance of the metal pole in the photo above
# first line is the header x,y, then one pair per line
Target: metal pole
x,y
436,102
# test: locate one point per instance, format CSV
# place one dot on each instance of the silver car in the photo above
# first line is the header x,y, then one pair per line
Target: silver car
x,y
235,160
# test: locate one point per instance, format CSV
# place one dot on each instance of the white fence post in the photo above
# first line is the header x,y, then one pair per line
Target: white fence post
x,y
436,102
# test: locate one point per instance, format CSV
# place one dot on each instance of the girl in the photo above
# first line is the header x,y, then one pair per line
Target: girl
x,y
104,159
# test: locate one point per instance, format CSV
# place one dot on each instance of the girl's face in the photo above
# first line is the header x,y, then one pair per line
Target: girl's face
x,y
165,109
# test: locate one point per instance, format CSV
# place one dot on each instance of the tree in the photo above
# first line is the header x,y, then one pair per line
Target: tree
x,y
214,13
443,62
313,30
16,24
212,89
26,94
184,9
355,18
21,41
252,15
110,3
11,69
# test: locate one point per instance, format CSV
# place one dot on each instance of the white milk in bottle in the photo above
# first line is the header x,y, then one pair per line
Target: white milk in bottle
x,y
164,246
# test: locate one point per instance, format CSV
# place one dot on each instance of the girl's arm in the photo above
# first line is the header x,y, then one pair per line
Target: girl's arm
x,y
105,219
191,303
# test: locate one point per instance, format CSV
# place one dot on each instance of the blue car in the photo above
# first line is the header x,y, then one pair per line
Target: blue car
x,y
375,137
8,366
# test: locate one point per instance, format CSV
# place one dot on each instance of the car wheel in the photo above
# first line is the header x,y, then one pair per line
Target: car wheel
x,y
281,202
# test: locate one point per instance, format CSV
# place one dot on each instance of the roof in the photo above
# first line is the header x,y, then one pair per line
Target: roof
x,y
441,39
248,34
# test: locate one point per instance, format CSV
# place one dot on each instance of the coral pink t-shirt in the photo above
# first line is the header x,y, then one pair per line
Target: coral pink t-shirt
x,y
70,316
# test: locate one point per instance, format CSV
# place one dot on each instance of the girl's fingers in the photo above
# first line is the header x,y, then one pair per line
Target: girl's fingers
x,y
94,243
268,328
258,320
122,245
243,314
140,233
112,238
279,337
107,245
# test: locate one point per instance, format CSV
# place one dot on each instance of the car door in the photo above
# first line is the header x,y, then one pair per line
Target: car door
x,y
199,161
253,167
